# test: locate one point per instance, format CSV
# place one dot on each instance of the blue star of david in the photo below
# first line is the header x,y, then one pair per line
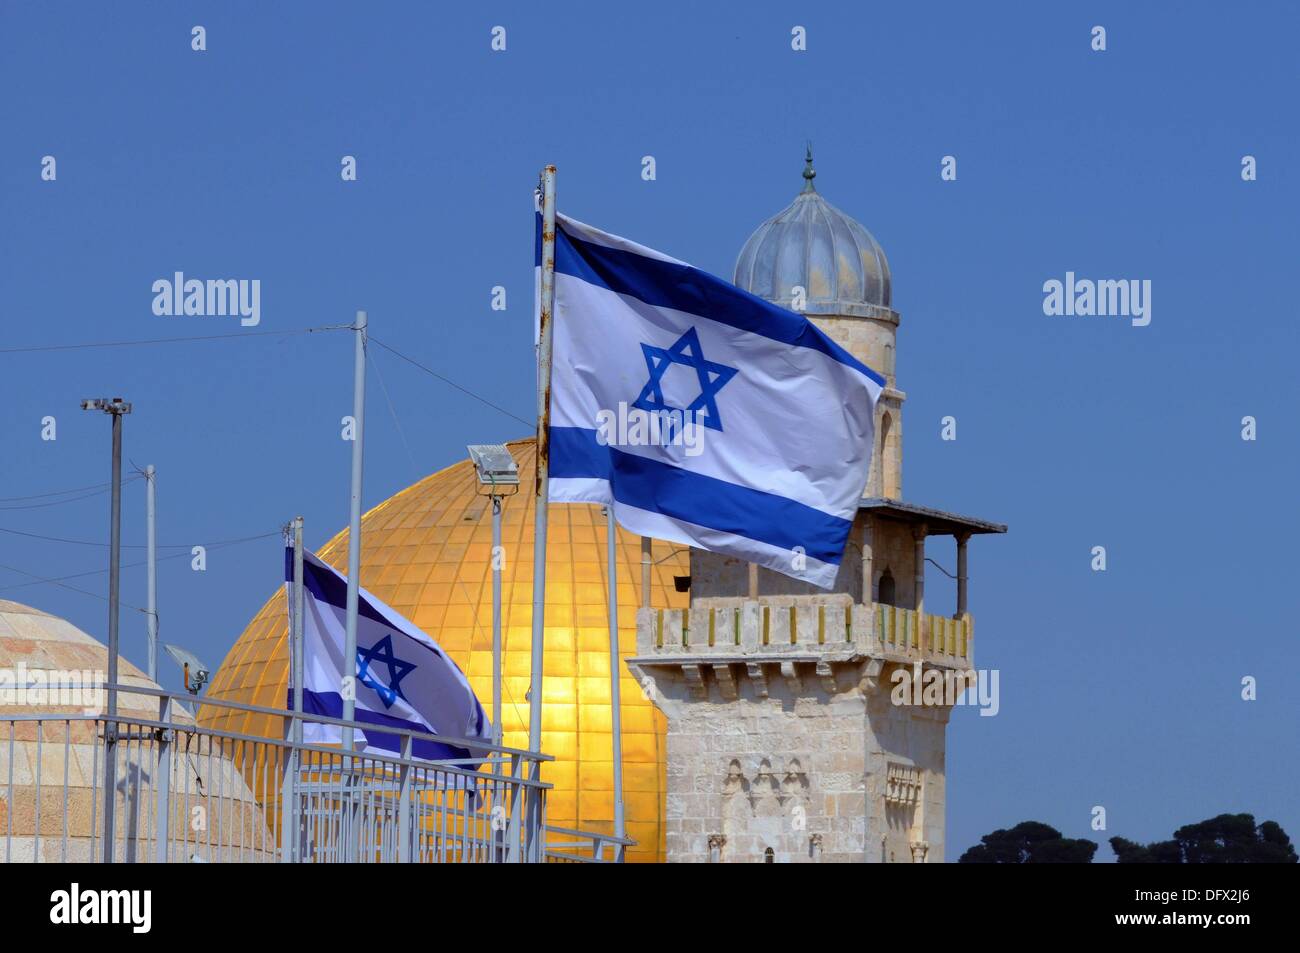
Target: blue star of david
x,y
712,377
382,652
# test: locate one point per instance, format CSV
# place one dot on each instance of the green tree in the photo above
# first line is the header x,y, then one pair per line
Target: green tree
x,y
1226,839
1029,842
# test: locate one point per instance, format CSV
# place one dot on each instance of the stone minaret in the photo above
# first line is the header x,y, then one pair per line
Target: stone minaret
x,y
785,741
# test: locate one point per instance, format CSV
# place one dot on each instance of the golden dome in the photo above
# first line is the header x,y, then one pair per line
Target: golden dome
x,y
426,552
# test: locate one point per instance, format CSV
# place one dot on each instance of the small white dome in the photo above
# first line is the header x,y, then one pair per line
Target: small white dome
x,y
814,245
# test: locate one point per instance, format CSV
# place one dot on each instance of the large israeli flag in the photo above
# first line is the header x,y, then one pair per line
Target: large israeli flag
x,y
705,415
402,678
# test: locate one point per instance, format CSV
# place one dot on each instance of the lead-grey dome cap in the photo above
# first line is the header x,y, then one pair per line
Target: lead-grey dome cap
x,y
812,244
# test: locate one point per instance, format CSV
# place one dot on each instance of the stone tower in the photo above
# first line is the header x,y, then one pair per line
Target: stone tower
x,y
784,740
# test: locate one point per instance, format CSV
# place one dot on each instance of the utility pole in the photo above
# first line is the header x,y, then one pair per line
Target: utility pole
x,y
151,550
498,477
354,528
115,408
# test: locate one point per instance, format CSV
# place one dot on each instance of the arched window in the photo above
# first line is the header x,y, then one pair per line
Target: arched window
x,y
887,596
882,466
769,856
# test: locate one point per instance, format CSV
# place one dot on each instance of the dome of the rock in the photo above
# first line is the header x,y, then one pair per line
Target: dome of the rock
x,y
426,551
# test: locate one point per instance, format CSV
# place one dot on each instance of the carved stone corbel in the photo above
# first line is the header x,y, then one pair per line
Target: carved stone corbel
x,y
756,675
827,676
726,683
870,680
695,680
791,675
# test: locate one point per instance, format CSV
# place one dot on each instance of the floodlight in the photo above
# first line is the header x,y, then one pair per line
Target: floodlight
x,y
495,468
195,672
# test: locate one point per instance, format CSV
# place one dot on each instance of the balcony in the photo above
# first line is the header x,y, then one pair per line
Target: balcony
x,y
773,630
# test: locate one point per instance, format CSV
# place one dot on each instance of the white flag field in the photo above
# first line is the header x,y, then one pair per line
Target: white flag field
x,y
400,677
703,414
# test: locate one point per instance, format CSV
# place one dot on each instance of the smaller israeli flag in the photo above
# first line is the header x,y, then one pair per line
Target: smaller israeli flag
x,y
401,678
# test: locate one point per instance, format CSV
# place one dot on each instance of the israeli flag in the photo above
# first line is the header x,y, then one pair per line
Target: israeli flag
x,y
402,679
704,414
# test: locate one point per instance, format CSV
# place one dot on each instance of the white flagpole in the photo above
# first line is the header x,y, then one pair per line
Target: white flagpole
x,y
298,609
354,528
497,733
615,662
290,808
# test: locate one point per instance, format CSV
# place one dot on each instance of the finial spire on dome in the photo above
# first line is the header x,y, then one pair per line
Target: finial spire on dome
x,y
808,172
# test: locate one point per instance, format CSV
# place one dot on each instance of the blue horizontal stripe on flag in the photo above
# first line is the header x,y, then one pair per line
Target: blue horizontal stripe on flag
x,y
666,284
330,704
695,498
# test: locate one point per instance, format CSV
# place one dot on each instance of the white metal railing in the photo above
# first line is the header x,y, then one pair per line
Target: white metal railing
x,y
183,792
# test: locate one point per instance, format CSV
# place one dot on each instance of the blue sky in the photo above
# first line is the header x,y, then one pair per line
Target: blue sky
x,y
1119,689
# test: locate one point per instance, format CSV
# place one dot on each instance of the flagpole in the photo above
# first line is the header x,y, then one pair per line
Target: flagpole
x,y
534,835
296,665
497,733
298,609
615,659
354,528
541,490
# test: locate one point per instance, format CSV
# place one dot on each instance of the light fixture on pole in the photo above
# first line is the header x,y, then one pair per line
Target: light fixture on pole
x,y
151,559
498,477
115,408
194,673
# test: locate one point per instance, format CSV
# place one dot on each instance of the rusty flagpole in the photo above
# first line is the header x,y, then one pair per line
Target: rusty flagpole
x,y
534,835
541,490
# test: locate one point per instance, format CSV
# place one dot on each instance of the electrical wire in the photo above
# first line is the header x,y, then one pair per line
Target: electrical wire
x,y
508,696
393,411
41,496
940,568
447,380
71,499
179,340
91,542
38,580
95,572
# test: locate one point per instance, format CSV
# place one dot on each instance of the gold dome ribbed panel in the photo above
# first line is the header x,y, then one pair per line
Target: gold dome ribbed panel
x,y
427,552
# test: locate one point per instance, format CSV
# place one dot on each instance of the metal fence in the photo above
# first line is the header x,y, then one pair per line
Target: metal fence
x,y
182,792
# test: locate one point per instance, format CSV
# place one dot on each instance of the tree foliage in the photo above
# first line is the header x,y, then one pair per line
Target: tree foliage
x,y
1226,839
1029,842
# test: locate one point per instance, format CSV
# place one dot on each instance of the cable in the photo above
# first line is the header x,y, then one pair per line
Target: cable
x,y
940,568
670,555
452,383
37,580
41,496
91,542
183,340
95,572
508,696
72,499
415,467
